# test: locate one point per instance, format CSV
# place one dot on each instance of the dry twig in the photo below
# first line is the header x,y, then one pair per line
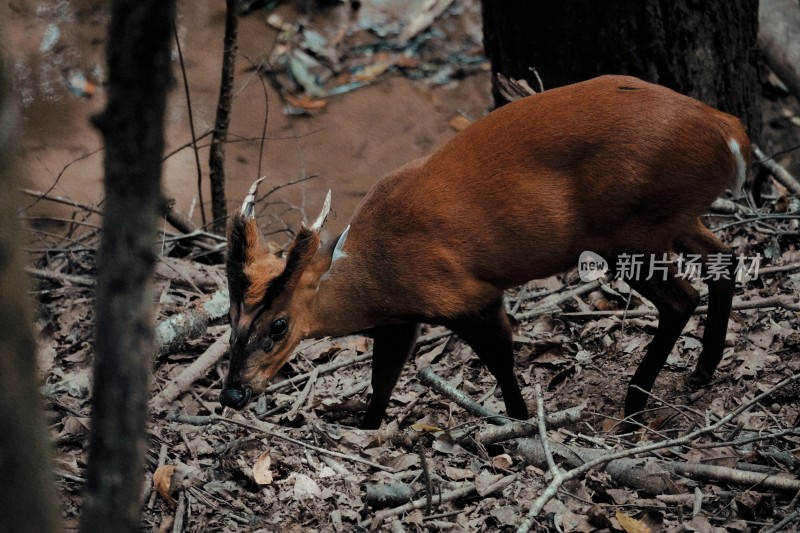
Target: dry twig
x,y
447,496
198,369
263,427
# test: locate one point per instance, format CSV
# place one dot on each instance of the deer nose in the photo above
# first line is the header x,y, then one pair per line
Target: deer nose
x,y
235,397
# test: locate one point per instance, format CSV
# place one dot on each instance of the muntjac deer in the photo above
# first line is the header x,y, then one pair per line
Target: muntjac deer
x,y
613,165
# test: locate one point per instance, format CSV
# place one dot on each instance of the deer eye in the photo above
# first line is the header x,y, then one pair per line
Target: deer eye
x,y
278,329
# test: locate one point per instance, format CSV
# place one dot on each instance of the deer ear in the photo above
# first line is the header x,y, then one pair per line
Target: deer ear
x,y
242,243
331,253
298,258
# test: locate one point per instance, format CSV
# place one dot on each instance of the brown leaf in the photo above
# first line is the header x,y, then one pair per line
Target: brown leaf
x,y
261,469
458,474
502,461
421,426
162,479
630,524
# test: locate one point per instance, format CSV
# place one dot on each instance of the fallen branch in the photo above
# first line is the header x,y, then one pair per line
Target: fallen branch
x,y
649,475
430,378
724,206
172,333
301,398
550,304
733,475
791,517
448,496
198,369
519,428
61,200
51,275
176,219
780,174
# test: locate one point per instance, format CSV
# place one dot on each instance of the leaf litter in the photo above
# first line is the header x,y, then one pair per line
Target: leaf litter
x,y
312,472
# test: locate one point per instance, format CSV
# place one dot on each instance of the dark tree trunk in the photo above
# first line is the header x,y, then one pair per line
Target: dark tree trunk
x,y
132,125
704,49
27,490
216,157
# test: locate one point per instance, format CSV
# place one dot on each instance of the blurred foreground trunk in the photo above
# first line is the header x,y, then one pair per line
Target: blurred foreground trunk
x,y
132,125
27,490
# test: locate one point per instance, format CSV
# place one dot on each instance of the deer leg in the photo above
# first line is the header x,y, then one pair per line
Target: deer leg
x,y
720,299
675,300
393,345
490,337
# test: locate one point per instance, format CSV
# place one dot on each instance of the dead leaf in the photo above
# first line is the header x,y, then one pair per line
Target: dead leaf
x,y
458,474
403,462
753,362
502,461
261,469
444,446
427,358
162,480
420,426
630,524
305,487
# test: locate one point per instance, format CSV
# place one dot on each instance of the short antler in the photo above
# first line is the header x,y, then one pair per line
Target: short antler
x,y
326,208
250,200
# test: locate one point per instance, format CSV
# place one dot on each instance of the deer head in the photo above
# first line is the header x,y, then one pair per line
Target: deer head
x,y
270,300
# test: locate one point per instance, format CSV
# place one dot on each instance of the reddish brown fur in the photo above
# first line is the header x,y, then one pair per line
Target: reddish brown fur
x,y
261,266
613,165
578,173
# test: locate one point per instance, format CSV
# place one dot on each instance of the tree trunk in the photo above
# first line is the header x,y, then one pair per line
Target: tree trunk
x,y
139,67
703,49
216,157
27,489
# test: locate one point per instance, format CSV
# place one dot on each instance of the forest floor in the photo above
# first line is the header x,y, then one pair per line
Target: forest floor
x,y
294,461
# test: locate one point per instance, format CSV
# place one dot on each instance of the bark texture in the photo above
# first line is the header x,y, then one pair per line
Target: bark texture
x,y
216,158
132,125
703,49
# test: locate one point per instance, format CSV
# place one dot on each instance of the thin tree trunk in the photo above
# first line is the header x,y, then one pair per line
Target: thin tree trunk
x,y
27,489
132,125
216,158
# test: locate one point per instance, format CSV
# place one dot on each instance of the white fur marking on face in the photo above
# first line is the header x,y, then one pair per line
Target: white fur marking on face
x,y
338,251
741,168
